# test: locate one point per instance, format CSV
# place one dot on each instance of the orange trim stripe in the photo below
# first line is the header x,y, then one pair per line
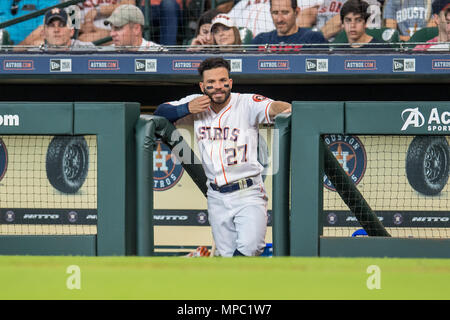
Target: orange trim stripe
x,y
220,151
266,113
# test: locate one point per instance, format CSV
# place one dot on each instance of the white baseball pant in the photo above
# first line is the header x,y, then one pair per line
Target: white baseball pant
x,y
239,219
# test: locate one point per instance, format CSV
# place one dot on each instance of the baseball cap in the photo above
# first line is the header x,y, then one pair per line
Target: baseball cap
x,y
126,13
439,5
224,19
55,13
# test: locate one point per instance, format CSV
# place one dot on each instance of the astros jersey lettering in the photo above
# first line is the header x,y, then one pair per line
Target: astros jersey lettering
x,y
228,140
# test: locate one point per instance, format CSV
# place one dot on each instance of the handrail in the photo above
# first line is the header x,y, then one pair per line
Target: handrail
x,y
37,13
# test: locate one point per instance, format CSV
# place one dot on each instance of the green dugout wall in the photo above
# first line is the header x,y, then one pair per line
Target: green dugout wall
x,y
112,125
304,159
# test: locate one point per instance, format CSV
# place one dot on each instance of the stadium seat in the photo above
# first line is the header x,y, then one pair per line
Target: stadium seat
x,y
5,39
424,34
382,34
246,35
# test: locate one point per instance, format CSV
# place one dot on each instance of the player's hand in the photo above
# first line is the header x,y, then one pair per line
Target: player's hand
x,y
199,104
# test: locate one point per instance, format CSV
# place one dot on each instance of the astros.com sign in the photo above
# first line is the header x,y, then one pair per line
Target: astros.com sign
x,y
9,120
436,121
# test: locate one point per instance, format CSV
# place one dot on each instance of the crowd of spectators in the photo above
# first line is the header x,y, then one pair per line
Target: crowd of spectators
x,y
275,24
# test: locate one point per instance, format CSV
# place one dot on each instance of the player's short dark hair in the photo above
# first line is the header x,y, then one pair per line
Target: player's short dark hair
x,y
293,4
355,7
213,63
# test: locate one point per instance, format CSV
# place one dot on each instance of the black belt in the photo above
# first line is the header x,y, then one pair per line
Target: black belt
x,y
241,184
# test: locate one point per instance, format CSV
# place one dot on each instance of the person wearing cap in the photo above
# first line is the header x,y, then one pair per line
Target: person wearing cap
x,y
92,15
284,15
127,24
203,36
224,32
12,9
58,31
441,16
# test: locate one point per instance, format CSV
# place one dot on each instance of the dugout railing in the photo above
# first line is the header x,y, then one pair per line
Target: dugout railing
x,y
42,211
298,194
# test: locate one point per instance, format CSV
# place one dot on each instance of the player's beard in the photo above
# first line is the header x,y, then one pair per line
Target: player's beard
x,y
220,101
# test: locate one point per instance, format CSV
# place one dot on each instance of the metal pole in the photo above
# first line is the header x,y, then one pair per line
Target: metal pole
x,y
147,25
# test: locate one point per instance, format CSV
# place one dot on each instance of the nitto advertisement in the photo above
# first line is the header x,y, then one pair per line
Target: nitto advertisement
x,y
404,179
48,181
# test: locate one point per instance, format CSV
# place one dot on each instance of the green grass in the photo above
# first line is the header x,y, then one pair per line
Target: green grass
x,y
177,278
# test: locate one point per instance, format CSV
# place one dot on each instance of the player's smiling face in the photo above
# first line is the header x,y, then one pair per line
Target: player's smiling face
x,y
217,85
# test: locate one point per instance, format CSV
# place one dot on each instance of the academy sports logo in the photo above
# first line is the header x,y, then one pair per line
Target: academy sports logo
x,y
351,155
145,65
414,118
17,65
3,159
316,65
60,65
404,65
167,171
437,121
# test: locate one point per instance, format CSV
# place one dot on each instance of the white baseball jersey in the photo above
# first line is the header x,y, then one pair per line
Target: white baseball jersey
x,y
228,140
253,15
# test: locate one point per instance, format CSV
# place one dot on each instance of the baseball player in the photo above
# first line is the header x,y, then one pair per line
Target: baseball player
x,y
226,130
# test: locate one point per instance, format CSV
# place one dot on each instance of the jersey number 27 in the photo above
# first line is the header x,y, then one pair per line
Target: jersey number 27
x,y
236,155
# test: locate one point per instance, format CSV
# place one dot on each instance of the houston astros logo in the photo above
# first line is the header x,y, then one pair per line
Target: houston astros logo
x,y
351,155
3,159
166,170
258,98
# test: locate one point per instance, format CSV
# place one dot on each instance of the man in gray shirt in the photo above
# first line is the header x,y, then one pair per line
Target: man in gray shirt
x,y
58,32
408,16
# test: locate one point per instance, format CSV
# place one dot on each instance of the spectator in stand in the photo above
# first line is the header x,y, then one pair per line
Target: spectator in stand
x,y
225,33
254,15
166,15
441,16
11,9
203,35
92,17
58,32
88,17
284,14
127,24
354,15
328,20
408,16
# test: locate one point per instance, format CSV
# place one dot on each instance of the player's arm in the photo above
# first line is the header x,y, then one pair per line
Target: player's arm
x,y
278,107
175,112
